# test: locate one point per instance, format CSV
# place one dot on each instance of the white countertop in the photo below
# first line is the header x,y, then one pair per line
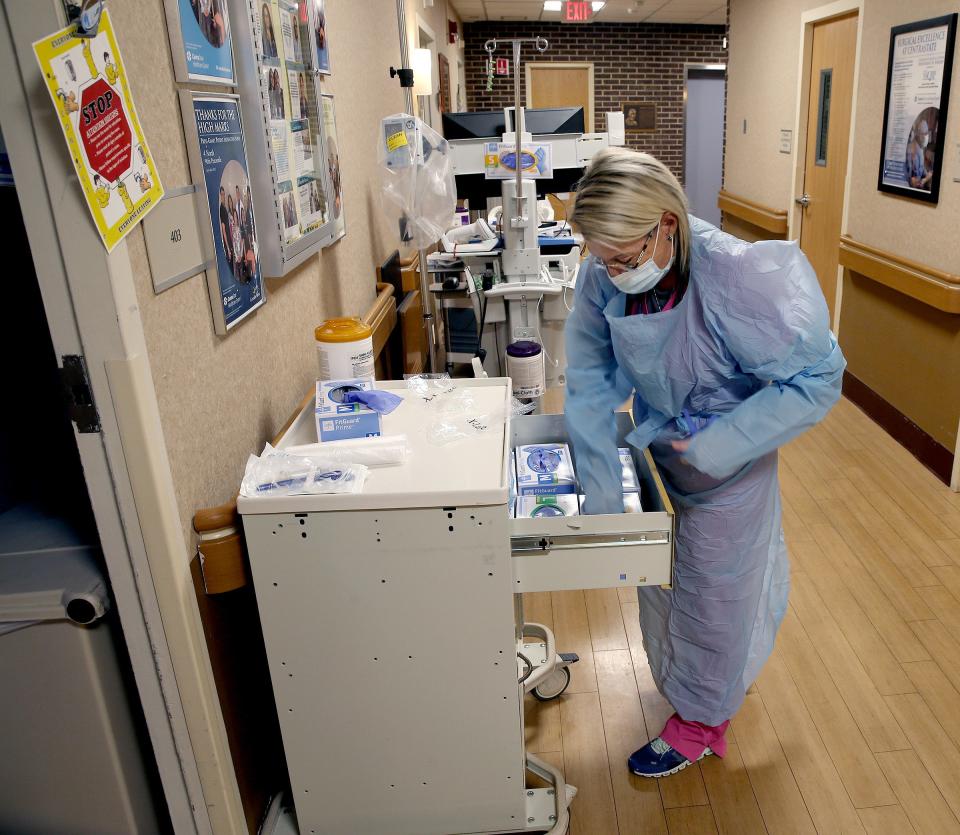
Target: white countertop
x,y
468,472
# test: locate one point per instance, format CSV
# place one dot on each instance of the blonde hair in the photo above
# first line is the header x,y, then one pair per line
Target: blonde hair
x,y
622,197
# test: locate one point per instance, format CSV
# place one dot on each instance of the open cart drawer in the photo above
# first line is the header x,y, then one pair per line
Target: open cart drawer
x,y
591,552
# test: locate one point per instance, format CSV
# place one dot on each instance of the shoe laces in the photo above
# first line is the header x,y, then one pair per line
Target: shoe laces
x,y
659,746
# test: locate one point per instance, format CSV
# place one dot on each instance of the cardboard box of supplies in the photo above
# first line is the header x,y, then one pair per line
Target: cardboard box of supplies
x,y
536,506
545,469
631,484
340,421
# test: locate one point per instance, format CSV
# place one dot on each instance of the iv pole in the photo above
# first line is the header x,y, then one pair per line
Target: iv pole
x,y
426,298
519,220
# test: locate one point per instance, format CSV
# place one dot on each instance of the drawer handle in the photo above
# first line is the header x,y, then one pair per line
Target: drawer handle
x,y
545,544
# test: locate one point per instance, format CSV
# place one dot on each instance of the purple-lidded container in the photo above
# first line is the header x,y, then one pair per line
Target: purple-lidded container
x,y
525,367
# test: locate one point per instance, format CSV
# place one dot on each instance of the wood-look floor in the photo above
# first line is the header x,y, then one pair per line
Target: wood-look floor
x,y
853,725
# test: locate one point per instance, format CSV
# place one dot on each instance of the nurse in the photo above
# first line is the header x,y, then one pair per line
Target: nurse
x,y
727,351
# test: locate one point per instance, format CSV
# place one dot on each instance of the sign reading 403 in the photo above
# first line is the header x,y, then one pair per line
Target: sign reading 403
x,y
88,85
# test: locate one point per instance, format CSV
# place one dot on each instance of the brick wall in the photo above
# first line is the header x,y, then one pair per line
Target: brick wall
x,y
632,62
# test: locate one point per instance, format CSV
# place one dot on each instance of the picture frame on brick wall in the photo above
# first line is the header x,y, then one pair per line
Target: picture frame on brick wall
x,y
639,116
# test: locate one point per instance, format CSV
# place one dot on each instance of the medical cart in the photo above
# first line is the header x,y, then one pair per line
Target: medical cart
x,y
393,624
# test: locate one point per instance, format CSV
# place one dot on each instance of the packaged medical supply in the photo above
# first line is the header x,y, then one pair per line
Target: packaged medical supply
x,y
532,507
344,348
339,420
545,469
631,484
385,451
512,478
278,473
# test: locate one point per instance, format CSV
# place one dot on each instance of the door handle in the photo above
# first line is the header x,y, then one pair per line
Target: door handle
x,y
803,201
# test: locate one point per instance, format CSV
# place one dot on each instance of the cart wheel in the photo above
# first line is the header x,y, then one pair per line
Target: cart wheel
x,y
553,685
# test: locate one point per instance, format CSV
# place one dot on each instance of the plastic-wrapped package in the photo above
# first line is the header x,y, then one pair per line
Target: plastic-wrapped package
x,y
628,475
536,507
544,469
416,170
278,473
384,451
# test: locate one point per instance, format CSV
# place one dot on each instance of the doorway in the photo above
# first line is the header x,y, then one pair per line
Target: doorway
x,y
828,112
47,525
703,126
561,85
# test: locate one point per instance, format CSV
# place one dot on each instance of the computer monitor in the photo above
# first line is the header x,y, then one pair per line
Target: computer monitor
x,y
476,188
491,124
552,120
482,124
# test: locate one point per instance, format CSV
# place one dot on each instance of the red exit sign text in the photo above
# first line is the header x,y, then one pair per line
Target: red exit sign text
x,y
577,11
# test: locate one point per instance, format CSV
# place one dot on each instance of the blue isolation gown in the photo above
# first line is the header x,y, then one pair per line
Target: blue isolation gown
x,y
743,364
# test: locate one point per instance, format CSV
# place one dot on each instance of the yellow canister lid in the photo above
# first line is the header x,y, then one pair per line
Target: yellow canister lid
x,y
342,329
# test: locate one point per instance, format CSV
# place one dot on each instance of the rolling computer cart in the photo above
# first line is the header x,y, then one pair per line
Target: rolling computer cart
x,y
394,627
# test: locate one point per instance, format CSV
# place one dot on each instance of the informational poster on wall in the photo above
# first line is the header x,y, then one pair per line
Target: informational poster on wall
x,y
333,164
201,40
87,82
319,49
236,285
918,89
282,31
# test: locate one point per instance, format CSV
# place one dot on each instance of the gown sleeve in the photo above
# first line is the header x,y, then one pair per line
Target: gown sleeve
x,y
595,389
774,321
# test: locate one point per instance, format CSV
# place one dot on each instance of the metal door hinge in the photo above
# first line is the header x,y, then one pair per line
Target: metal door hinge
x,y
76,387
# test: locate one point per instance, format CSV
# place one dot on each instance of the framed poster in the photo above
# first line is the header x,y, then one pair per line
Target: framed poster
x,y
444,72
285,130
218,161
87,82
333,166
201,40
318,36
639,115
919,69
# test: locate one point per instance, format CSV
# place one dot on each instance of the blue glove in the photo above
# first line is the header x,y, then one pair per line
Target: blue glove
x,y
383,402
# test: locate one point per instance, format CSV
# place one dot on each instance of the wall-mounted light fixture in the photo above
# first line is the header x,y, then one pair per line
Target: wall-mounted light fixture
x,y
422,64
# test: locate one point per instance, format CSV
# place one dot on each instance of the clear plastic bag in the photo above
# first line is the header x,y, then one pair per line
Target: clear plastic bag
x,y
278,473
417,182
433,390
462,425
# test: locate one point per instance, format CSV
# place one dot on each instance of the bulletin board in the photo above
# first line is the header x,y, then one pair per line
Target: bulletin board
x,y
284,124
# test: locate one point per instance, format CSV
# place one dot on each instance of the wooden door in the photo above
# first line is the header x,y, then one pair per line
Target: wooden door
x,y
828,136
561,85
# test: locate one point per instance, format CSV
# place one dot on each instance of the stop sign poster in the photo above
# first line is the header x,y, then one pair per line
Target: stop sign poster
x,y
88,84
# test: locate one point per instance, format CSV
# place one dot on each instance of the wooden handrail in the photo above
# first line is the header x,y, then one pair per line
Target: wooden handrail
x,y
382,317
765,217
926,284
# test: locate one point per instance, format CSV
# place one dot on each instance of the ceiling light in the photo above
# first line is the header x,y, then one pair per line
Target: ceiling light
x,y
552,5
598,4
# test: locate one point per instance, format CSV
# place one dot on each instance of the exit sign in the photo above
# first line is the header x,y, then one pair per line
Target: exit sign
x,y
577,11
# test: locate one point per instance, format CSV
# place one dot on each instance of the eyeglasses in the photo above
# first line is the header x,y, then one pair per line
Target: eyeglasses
x,y
622,265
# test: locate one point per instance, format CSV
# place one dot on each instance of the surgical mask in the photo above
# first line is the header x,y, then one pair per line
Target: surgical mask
x,y
645,277
924,141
